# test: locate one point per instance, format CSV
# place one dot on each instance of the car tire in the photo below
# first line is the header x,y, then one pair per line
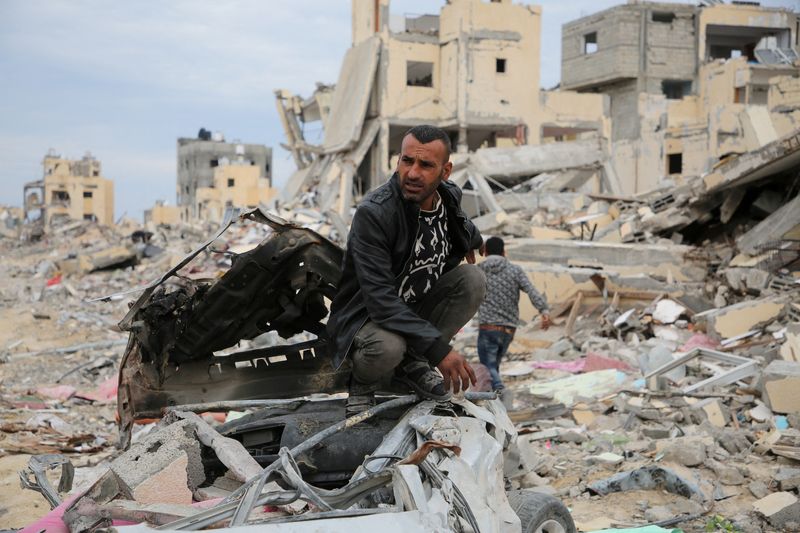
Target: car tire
x,y
540,513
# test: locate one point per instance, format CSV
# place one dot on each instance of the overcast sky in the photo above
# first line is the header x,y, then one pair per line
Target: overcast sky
x,y
125,79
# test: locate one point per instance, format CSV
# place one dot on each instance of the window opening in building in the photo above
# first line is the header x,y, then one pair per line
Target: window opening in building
x,y
419,74
266,168
676,89
214,163
663,17
590,43
231,182
61,197
674,163
95,173
87,194
500,65
89,216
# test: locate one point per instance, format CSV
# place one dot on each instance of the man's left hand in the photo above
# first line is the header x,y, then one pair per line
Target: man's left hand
x,y
470,257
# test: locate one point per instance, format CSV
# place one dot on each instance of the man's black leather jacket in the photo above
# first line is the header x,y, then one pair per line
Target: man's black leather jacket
x,y
379,245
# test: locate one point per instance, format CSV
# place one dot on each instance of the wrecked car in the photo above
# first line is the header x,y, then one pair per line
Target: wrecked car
x,y
294,462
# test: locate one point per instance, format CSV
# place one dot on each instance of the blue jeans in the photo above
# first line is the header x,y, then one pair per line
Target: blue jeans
x,y
492,347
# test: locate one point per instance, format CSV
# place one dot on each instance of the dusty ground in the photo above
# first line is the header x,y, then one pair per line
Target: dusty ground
x,y
57,319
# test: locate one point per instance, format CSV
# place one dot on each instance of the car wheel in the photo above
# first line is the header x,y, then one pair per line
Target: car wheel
x,y
540,513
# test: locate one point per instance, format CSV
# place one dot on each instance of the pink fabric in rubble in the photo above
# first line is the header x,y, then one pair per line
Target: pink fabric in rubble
x,y
699,340
591,363
53,522
58,392
106,392
595,361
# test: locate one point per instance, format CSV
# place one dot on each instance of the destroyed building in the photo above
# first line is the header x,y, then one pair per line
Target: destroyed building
x,y
237,185
198,159
688,85
653,96
472,70
69,190
161,213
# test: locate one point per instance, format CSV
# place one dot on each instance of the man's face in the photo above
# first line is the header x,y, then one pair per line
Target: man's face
x,y
421,168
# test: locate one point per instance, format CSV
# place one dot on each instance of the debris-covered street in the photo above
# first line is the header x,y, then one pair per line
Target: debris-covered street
x,y
178,372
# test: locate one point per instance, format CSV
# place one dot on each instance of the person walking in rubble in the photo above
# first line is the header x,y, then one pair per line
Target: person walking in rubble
x,y
498,315
403,293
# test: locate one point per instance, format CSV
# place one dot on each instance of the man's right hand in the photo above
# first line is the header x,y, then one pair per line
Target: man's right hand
x,y
546,322
456,372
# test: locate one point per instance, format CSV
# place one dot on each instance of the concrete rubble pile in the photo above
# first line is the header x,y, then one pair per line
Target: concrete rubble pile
x,y
664,393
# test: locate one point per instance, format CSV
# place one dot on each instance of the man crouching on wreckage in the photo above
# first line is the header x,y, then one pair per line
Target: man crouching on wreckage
x,y
403,293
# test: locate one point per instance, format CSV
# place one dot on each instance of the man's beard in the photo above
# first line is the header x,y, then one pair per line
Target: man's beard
x,y
425,193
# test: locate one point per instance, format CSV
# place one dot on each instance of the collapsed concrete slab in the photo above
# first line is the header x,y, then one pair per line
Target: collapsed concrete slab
x,y
510,164
738,319
112,257
667,261
562,284
777,156
773,228
351,96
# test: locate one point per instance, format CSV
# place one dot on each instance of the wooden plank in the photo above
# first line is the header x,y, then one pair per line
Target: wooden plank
x,y
573,315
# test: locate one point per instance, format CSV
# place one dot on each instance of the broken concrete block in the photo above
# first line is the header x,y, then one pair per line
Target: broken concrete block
x,y
758,489
165,465
659,356
780,382
787,478
170,484
781,509
760,413
668,311
716,413
727,474
751,280
549,233
790,349
740,318
677,508
605,459
559,347
231,452
688,452
583,417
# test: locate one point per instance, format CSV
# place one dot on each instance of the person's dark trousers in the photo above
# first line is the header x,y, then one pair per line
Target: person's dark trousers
x,y
450,304
492,347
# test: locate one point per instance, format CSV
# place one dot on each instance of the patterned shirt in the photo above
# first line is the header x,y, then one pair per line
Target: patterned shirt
x,y
504,280
431,248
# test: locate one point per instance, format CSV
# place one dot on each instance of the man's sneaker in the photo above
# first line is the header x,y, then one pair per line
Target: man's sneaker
x,y
360,398
425,381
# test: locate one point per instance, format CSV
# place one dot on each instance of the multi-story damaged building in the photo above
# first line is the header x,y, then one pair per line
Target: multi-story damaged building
x,y
473,70
198,159
688,85
69,189
237,185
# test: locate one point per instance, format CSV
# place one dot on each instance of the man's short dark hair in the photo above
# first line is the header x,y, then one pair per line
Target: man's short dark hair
x,y
495,246
427,133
